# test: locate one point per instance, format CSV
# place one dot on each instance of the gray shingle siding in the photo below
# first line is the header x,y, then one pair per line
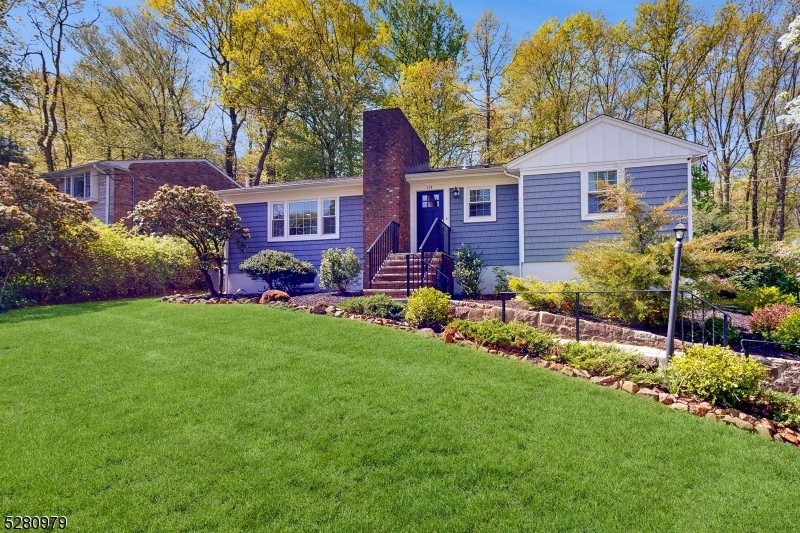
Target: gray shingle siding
x,y
499,241
552,204
254,217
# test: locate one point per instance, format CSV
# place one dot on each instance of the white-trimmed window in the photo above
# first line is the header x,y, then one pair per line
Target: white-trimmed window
x,y
304,219
480,203
79,186
591,192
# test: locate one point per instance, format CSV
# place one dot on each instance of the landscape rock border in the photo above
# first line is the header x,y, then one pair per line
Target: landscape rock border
x,y
763,426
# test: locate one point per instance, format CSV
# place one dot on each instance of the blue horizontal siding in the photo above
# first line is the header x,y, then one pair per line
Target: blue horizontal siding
x,y
499,240
254,217
552,204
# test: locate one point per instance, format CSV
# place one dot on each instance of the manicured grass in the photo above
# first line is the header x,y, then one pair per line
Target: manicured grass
x,y
146,416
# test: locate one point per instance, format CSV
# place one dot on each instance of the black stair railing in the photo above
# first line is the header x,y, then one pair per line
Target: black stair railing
x,y
420,268
385,245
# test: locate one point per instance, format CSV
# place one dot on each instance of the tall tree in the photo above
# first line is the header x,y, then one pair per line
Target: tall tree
x,y
548,80
490,53
419,30
10,77
433,98
51,21
672,44
210,25
143,75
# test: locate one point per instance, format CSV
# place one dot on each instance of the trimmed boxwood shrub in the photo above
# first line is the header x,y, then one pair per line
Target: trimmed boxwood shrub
x,y
378,305
428,308
515,336
339,268
716,374
280,270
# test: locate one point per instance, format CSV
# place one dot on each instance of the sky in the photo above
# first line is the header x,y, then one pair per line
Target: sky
x,y
523,17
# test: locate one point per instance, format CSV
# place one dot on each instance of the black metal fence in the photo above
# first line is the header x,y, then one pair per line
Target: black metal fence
x,y
384,245
697,320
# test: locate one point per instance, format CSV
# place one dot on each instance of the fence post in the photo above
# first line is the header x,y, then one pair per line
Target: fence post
x,y
503,312
408,275
577,316
724,330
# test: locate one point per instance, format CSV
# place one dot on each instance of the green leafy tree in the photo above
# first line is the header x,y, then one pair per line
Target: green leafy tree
x,y
196,215
702,190
420,30
42,232
433,98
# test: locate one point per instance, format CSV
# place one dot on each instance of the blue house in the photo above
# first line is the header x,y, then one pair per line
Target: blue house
x,y
405,218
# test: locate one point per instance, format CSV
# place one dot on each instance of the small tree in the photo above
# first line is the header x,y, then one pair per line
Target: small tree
x,y
468,269
196,215
339,268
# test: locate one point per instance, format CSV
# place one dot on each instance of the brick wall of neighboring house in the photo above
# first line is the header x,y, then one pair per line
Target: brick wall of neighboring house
x,y
391,150
148,177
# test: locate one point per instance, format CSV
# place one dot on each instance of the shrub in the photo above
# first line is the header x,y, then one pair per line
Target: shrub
x,y
715,374
428,308
714,331
765,321
515,336
339,268
468,268
605,360
788,331
119,264
772,265
501,277
378,305
783,406
556,297
280,270
754,299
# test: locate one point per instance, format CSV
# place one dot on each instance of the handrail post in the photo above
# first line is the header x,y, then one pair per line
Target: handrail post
x,y
503,312
724,330
577,316
408,275
746,346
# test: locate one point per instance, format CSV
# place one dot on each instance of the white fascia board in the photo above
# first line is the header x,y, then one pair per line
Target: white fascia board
x,y
293,190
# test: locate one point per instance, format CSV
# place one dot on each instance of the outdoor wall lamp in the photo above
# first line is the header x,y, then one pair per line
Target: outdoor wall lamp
x,y
456,192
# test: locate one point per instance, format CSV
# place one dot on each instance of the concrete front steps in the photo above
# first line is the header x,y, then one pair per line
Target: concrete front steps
x,y
392,277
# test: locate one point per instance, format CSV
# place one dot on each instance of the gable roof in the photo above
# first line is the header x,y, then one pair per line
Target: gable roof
x,y
607,139
198,171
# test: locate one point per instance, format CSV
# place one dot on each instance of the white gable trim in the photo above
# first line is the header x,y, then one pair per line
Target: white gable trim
x,y
635,143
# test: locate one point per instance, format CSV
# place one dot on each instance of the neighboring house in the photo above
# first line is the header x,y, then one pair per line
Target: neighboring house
x,y
524,215
113,188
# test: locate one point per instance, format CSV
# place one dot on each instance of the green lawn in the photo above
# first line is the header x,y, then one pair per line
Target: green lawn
x,y
147,416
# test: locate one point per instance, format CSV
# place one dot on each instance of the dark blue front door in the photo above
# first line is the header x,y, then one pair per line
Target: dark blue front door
x,y
430,206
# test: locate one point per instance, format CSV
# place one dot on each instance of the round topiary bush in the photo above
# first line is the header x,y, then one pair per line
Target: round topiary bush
x,y
428,308
281,270
714,373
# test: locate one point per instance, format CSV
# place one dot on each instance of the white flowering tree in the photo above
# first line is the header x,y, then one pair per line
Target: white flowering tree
x,y
791,39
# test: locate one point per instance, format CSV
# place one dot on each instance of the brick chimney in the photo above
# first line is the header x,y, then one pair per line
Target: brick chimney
x,y
391,149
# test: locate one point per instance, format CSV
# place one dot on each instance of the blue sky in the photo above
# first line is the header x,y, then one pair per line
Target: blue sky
x,y
523,17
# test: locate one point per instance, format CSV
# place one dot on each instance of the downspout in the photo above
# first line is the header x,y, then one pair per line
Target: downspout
x,y
521,216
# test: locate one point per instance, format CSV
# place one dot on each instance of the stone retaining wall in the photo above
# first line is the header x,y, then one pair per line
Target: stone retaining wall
x,y
784,375
560,324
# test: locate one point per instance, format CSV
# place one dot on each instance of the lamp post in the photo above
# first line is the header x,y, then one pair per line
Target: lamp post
x,y
680,233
